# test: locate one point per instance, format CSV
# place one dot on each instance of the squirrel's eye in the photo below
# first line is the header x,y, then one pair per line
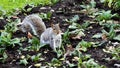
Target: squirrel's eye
x,y
53,28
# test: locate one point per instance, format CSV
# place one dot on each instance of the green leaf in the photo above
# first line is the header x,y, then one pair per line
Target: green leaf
x,y
5,56
83,45
55,62
36,58
59,53
112,33
74,26
23,61
98,35
74,19
117,37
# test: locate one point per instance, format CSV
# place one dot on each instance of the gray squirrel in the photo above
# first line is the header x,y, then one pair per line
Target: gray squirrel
x,y
52,36
34,24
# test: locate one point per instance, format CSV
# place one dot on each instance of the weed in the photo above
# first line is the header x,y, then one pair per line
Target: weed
x,y
6,39
55,63
83,45
89,8
24,62
36,58
3,54
104,15
114,51
46,15
34,44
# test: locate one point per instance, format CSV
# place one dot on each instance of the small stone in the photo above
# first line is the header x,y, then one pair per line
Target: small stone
x,y
22,57
43,8
37,65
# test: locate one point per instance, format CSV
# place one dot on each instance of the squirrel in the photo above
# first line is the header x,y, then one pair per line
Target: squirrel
x,y
52,36
33,24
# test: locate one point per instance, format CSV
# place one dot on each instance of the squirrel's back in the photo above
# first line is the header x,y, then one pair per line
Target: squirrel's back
x,y
33,23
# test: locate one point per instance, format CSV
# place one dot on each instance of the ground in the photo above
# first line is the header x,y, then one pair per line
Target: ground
x,y
61,11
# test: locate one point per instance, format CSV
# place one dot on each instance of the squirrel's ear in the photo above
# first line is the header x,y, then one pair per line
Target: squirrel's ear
x,y
58,24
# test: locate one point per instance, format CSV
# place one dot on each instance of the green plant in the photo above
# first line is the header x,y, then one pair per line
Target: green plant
x,y
111,34
35,44
3,55
115,51
46,15
6,35
73,19
114,4
55,63
36,58
76,31
66,37
11,26
104,15
6,40
9,6
89,8
83,45
24,61
54,1
91,64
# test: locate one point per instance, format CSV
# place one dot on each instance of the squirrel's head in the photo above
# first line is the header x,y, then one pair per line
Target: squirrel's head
x,y
21,27
56,28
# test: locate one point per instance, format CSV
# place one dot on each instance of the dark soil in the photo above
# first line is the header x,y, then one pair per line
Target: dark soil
x,y
62,10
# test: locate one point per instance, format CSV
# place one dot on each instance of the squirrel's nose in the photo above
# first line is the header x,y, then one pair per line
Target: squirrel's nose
x,y
19,24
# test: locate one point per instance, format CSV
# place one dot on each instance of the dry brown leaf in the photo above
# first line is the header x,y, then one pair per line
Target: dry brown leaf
x,y
15,17
69,50
77,37
29,35
104,36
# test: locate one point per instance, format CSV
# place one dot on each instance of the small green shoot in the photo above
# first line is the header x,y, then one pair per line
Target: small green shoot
x,y
35,58
23,61
55,62
4,55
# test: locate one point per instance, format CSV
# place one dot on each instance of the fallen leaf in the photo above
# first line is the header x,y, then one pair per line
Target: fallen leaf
x,y
98,35
77,37
69,47
76,58
15,17
104,36
29,35
37,65
69,50
22,57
